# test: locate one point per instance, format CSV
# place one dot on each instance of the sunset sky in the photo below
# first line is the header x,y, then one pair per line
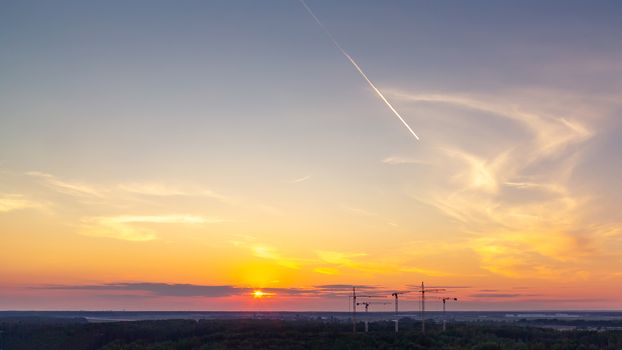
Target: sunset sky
x,y
181,155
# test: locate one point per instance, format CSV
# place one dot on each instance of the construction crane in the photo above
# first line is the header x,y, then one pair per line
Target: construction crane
x,y
354,303
396,296
423,291
444,317
358,296
367,303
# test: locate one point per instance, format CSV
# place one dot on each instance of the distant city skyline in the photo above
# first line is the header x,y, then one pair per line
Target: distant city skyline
x,y
224,155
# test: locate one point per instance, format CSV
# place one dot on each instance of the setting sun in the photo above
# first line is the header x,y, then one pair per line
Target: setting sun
x,y
258,294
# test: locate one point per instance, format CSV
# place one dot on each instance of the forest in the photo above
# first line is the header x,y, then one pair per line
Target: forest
x,y
50,334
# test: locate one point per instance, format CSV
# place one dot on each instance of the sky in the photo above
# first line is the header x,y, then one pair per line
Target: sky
x,y
159,155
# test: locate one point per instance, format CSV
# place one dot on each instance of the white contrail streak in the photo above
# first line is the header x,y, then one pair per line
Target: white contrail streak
x,y
358,68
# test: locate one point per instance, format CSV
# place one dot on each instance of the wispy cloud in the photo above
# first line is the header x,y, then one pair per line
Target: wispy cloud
x,y
356,261
512,195
369,214
121,211
270,253
343,287
449,287
551,132
430,272
300,179
342,290
163,219
339,258
128,227
158,289
496,295
359,211
11,201
397,160
67,187
166,190
112,192
240,240
326,270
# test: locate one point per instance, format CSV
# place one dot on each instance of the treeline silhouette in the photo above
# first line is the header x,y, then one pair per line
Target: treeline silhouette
x,y
16,334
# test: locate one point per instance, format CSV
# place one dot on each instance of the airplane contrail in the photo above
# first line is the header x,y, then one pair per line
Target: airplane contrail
x,y
358,68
